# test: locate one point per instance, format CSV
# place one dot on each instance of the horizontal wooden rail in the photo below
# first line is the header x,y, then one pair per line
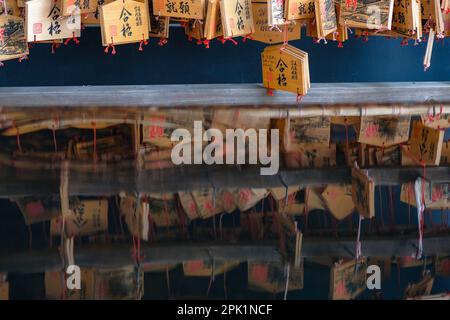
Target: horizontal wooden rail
x,y
120,255
112,179
397,97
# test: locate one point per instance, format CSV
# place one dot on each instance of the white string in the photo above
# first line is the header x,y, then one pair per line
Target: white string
x,y
420,209
287,281
358,242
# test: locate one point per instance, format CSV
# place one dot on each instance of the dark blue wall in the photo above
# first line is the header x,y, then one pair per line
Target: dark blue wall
x,y
181,61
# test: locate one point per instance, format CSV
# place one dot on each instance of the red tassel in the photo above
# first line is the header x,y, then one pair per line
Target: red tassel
x,y
190,38
299,98
270,92
113,52
25,57
143,42
2,64
404,42
223,40
206,43
54,47
199,42
162,41
247,36
340,44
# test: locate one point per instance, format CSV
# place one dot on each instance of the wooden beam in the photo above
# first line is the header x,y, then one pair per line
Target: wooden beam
x,y
111,180
229,95
120,255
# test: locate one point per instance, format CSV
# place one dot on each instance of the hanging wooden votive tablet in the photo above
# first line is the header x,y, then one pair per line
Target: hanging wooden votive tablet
x,y
286,68
124,21
12,38
44,21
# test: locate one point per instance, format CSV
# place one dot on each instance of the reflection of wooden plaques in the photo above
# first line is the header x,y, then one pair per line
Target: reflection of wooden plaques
x,y
77,7
247,198
385,264
439,122
345,283
298,132
409,262
189,205
442,266
192,9
118,284
389,156
13,43
4,290
86,217
363,193
384,131
312,156
207,268
445,154
367,15
299,9
271,277
421,288
338,199
45,21
426,143
124,21
264,33
292,240
205,203
36,210
237,18
54,280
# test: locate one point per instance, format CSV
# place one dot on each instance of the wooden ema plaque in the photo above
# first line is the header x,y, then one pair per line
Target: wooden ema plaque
x,y
13,43
325,17
237,18
93,18
264,33
77,7
271,277
285,68
291,246
188,9
363,193
426,143
86,217
299,9
11,7
362,15
275,12
45,21
213,22
124,21
384,131
348,280
338,199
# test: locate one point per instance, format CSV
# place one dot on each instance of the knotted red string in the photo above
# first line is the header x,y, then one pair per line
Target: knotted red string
x,y
247,36
74,39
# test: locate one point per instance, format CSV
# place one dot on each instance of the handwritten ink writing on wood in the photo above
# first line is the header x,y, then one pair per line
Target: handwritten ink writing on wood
x,y
286,68
264,33
426,143
299,9
311,155
237,18
13,42
189,9
77,7
384,131
124,21
363,193
45,21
